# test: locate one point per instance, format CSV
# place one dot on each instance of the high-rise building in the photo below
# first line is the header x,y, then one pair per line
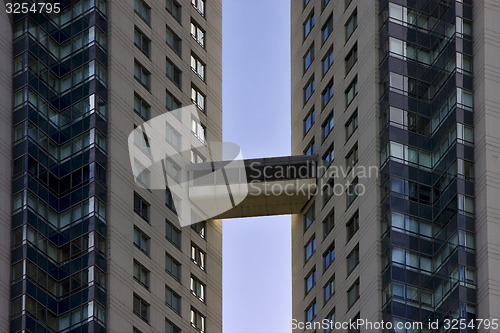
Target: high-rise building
x,y
407,87
85,249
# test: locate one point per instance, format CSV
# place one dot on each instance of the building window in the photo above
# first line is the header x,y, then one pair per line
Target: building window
x,y
142,108
311,312
169,200
351,25
310,149
142,42
309,89
329,256
358,316
172,267
309,121
197,320
328,224
352,192
353,260
174,9
309,217
351,92
310,248
173,73
143,10
141,308
328,157
328,60
141,207
329,289
198,130
198,256
141,274
196,157
199,228
173,234
328,126
174,41
310,280
352,226
198,67
142,75
135,330
141,240
172,300
143,175
351,125
199,5
324,3
351,59
171,328
198,288
198,98
353,294
309,58
172,137
306,2
327,94
198,34
327,28
331,319
308,24
172,103
352,157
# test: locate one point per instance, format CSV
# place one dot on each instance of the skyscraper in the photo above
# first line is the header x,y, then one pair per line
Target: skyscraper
x,y
408,88
83,247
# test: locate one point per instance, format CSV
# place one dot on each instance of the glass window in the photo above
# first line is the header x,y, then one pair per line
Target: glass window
x,y
309,57
198,256
142,108
169,200
174,9
198,98
308,25
141,308
171,328
143,10
173,73
328,158
310,248
173,234
352,156
329,289
328,126
198,33
142,42
142,75
353,260
310,149
199,5
309,121
309,217
309,89
198,130
353,294
328,224
172,300
327,93
198,288
141,274
311,312
352,225
172,266
199,228
141,240
351,92
172,137
172,103
351,25
197,66
141,207
351,125
328,60
329,256
174,41
310,280
352,192
327,28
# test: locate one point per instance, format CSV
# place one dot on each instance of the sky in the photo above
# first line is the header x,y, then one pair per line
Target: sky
x,y
257,287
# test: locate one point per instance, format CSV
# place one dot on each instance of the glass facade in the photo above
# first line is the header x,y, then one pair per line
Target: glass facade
x,y
426,138
58,278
